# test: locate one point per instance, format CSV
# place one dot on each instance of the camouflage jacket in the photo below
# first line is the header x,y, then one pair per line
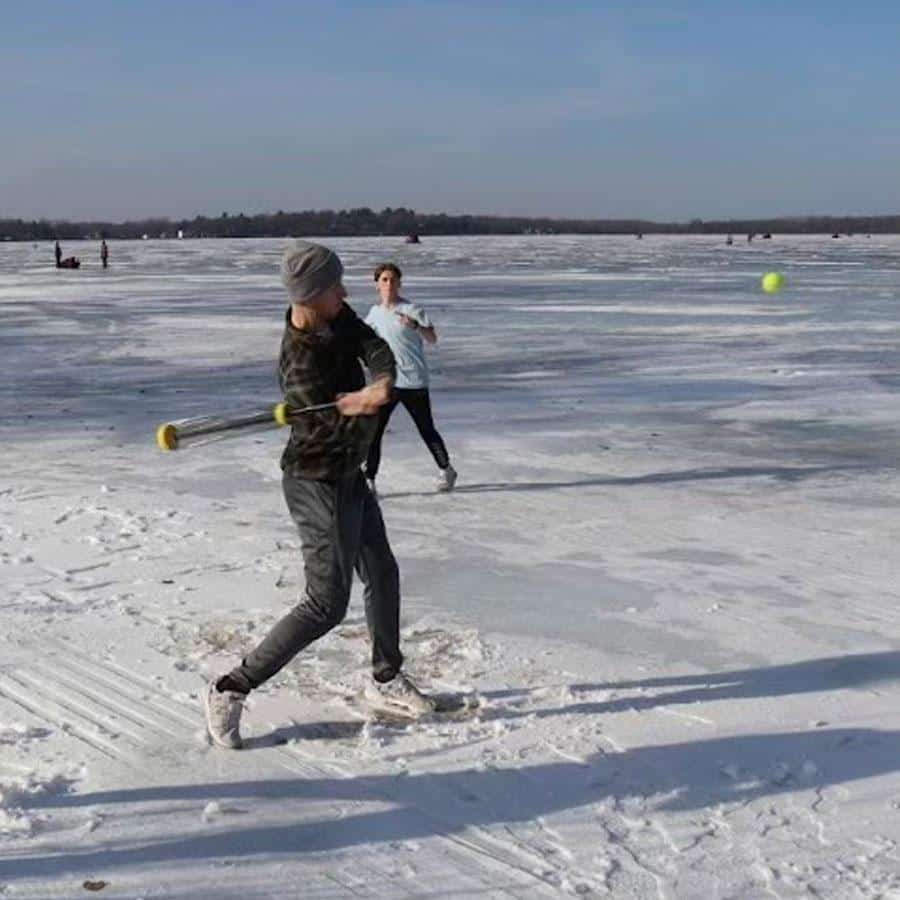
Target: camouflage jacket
x,y
315,368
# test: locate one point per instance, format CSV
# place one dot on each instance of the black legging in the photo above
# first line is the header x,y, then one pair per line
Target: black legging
x,y
418,405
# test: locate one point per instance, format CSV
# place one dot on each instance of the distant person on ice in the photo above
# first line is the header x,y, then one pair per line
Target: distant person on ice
x,y
404,326
338,518
58,252
104,254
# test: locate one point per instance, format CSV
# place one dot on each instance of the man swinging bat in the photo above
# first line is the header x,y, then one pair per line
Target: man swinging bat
x,y
340,523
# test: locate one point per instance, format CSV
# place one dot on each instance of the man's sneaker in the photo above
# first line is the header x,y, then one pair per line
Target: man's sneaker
x,y
446,479
371,483
399,697
223,716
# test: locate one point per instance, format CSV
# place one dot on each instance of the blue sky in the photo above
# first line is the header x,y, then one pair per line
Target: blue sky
x,y
665,111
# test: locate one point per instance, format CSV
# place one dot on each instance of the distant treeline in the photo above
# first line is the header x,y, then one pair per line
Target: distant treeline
x,y
364,221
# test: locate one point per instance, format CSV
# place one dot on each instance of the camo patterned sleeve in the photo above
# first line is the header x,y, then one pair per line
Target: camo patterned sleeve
x,y
317,368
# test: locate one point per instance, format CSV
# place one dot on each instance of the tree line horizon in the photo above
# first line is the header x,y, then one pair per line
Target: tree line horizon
x,y
365,222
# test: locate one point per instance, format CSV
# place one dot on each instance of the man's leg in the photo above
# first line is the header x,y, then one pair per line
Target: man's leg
x,y
329,518
390,690
418,405
373,459
380,577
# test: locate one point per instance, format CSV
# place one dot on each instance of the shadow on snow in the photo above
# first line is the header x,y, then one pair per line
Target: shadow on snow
x,y
780,473
669,777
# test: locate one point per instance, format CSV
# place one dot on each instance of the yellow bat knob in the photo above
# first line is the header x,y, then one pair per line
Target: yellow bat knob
x,y
167,437
280,413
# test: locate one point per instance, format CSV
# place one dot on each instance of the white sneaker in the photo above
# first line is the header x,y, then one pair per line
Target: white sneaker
x,y
399,697
446,479
371,483
223,716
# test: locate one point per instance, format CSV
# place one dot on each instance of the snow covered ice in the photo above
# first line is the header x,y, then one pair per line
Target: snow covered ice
x,y
668,571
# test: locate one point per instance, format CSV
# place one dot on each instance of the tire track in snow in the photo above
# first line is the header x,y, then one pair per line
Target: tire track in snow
x,y
22,696
472,848
102,697
140,690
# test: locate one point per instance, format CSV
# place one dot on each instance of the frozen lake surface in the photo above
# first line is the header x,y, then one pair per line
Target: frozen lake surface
x,y
669,571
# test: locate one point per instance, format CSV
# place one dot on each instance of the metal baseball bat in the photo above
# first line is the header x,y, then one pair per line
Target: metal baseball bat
x,y
185,432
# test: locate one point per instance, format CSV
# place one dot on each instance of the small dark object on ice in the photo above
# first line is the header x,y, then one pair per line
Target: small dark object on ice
x,y
94,885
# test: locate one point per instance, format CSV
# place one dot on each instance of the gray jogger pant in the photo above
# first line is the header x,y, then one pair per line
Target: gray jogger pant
x,y
341,529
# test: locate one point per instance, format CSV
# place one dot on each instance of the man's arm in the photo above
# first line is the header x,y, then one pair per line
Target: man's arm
x,y
375,353
367,400
418,320
379,360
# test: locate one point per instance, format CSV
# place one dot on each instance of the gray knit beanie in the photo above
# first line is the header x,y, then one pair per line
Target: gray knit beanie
x,y
308,269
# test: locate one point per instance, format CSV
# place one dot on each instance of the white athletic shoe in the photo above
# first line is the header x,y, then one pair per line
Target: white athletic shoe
x,y
446,479
223,716
371,483
399,697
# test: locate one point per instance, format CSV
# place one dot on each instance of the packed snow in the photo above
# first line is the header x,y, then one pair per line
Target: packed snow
x,y
666,584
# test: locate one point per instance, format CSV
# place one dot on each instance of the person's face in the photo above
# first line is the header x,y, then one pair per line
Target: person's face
x,y
388,286
328,304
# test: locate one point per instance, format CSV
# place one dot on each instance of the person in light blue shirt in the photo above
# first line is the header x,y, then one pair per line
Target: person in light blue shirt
x,y
406,328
